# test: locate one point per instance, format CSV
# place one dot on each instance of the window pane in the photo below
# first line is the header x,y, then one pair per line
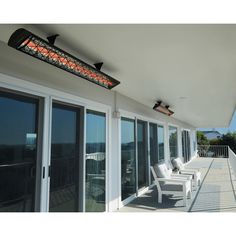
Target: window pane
x,y
153,144
161,153
186,145
173,142
95,161
142,154
64,179
18,152
128,163
183,144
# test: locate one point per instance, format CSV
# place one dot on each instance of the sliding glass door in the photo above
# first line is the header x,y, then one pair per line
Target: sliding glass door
x,y
95,161
65,156
128,158
18,152
142,154
135,166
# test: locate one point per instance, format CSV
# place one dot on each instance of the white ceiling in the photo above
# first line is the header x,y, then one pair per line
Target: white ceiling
x,y
190,67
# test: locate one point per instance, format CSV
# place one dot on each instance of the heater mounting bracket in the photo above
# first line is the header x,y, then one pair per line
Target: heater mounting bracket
x,y
52,38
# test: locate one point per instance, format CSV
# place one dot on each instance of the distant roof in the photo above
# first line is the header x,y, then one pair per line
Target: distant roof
x,y
211,132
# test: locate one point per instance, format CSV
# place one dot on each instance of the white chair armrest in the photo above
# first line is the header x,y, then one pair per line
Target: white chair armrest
x,y
182,176
174,180
191,169
188,171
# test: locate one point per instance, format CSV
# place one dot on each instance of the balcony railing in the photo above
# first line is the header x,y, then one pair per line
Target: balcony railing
x,y
232,160
213,151
218,151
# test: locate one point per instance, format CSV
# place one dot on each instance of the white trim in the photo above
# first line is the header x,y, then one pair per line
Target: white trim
x,y
148,152
127,114
136,155
119,164
108,154
173,125
185,129
48,157
45,146
84,161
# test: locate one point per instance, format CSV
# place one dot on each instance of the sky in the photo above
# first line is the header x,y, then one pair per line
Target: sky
x,y
231,128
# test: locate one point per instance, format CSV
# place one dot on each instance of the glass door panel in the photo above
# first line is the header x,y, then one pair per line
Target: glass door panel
x,y
18,152
186,145
128,158
95,161
153,144
142,154
173,142
64,176
161,150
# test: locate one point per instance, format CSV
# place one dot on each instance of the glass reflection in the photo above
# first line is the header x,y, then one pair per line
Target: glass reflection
x,y
153,144
64,178
95,161
173,143
186,145
18,152
161,152
142,154
128,163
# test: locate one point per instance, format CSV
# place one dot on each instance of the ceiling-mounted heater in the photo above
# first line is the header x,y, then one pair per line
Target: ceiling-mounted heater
x,y
37,47
163,109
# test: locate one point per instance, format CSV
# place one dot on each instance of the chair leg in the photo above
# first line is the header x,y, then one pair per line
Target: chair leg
x,y
159,197
185,200
199,182
189,195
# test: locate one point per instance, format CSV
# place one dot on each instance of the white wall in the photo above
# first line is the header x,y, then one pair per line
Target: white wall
x,y
23,68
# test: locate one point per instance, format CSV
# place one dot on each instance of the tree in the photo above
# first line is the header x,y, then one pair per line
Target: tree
x,y
202,139
229,139
215,141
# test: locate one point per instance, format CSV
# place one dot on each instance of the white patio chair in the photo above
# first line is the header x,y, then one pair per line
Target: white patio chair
x,y
177,163
162,168
166,184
